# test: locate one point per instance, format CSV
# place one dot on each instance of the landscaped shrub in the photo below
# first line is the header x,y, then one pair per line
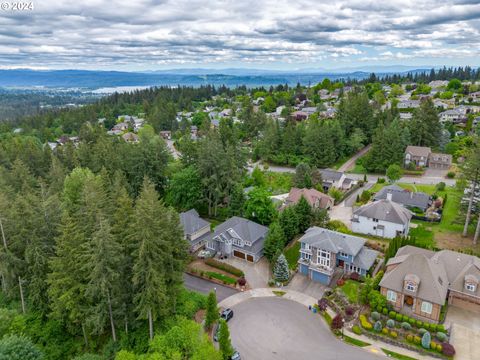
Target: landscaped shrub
x,y
412,321
337,322
426,339
393,334
440,186
419,324
355,276
448,349
340,282
379,308
390,323
375,315
399,317
242,281
441,336
356,330
406,326
224,278
439,348
422,331
378,326
225,267
405,318
410,338
392,314
365,323
349,311
441,327
450,174
417,340
385,331
385,311
322,304
433,345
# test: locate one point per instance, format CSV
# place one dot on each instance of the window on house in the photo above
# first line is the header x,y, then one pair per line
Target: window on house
x,y
307,246
323,258
411,287
248,243
343,254
470,287
391,296
237,242
375,220
306,256
211,245
426,307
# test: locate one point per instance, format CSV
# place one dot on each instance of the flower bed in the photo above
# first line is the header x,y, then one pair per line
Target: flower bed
x,y
406,332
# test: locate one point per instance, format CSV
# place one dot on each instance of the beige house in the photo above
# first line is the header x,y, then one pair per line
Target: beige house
x,y
419,282
315,198
423,156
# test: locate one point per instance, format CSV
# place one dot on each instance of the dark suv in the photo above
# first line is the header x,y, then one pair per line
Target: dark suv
x,y
226,314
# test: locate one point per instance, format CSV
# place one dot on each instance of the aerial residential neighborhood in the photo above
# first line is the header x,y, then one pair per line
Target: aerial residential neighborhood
x,y
249,180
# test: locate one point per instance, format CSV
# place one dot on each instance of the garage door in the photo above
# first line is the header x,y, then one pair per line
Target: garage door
x,y
239,254
250,258
465,304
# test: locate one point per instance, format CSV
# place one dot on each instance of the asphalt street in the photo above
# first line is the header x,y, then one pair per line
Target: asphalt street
x,y
273,328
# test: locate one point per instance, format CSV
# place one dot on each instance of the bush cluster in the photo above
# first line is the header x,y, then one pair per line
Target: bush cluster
x,y
367,325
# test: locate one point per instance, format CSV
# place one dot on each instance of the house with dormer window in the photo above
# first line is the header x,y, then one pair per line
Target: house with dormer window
x,y
240,238
419,282
324,251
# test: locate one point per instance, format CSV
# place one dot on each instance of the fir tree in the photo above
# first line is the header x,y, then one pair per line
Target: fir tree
x,y
211,315
224,341
280,270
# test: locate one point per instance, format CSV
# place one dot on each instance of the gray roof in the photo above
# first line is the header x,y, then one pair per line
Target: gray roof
x,y
330,175
404,197
418,150
365,258
437,271
246,229
385,210
333,241
192,222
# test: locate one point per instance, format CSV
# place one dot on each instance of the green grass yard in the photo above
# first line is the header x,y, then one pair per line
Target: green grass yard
x,y
356,342
397,355
350,289
292,253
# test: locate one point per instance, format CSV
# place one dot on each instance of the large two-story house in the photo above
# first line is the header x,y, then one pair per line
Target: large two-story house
x,y
323,250
419,282
195,229
315,198
240,238
422,156
404,197
383,218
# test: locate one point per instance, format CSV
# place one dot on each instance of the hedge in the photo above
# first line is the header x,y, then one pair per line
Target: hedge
x,y
365,323
225,267
224,278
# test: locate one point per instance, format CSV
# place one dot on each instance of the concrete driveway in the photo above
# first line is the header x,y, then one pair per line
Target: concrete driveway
x,y
274,328
304,285
257,274
342,213
465,333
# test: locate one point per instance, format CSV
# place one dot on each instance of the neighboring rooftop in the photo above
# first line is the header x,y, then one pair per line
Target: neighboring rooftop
x,y
404,197
192,222
418,150
314,197
385,210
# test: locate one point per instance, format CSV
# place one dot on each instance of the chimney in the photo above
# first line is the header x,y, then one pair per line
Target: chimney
x,y
389,196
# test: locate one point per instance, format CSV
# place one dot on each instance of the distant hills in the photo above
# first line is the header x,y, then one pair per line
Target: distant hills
x,y
87,79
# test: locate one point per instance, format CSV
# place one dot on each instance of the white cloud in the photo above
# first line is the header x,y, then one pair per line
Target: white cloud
x,y
162,33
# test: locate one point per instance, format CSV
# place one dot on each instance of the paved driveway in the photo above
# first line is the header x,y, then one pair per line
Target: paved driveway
x,y
304,285
465,333
342,213
257,274
278,329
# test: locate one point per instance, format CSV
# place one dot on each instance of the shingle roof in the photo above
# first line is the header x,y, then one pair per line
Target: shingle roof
x,y
404,197
311,195
418,150
330,175
333,241
450,266
246,229
192,222
385,210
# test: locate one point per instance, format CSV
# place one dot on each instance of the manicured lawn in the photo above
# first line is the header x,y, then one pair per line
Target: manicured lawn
x,y
292,253
226,279
350,289
397,355
423,236
377,187
358,169
356,342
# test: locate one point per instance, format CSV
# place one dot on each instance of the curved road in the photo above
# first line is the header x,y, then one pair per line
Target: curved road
x,y
273,328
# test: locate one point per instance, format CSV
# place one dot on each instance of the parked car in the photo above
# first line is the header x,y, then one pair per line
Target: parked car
x,y
235,356
226,314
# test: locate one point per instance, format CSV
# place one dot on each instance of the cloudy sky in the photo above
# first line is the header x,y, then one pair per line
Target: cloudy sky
x,y
278,34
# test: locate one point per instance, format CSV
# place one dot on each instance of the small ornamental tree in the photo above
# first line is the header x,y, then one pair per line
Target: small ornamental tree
x,y
337,322
280,270
448,349
224,341
378,326
426,339
394,172
322,304
211,315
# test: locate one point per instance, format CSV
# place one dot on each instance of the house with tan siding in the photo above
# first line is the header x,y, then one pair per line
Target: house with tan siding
x,y
419,282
